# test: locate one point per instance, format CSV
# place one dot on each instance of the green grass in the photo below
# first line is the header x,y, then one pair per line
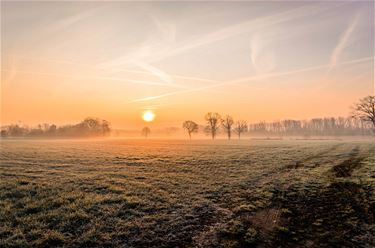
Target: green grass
x,y
153,193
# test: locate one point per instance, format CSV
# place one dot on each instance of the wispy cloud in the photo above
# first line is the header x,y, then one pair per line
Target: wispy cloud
x,y
79,77
157,52
343,42
68,21
147,70
263,59
167,29
154,71
49,32
248,79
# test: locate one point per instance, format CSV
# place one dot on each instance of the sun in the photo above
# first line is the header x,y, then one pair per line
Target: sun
x,y
148,116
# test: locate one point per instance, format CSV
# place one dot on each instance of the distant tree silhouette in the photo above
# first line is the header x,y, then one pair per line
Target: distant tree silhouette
x,y
105,127
4,133
365,110
227,124
213,122
36,131
51,129
190,127
16,130
240,127
328,126
89,127
146,132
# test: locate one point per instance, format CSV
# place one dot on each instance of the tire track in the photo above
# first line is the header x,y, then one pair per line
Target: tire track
x,y
295,215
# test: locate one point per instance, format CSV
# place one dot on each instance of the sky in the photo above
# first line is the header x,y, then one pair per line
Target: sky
x,y
64,61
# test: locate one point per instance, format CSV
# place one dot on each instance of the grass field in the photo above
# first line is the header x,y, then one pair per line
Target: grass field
x,y
154,193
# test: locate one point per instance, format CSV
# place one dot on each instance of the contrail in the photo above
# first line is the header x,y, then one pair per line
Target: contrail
x,y
93,77
342,43
199,79
225,33
244,27
313,68
58,61
155,71
71,20
242,80
64,23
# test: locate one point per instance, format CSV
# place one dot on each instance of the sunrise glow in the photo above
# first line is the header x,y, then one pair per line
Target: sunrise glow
x,y
253,60
148,116
187,123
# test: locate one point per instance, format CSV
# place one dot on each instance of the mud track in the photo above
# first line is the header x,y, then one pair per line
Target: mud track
x,y
346,168
337,214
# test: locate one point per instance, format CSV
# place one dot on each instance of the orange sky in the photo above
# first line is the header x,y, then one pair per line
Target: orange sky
x,y
64,61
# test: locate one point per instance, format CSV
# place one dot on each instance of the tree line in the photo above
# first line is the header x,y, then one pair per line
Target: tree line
x,y
215,123
361,122
89,127
340,126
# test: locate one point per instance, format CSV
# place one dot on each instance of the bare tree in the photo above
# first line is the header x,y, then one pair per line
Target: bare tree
x,y
365,110
213,122
240,127
105,127
146,131
227,124
191,127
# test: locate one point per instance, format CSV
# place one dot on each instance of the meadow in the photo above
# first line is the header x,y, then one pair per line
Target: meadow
x,y
170,193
